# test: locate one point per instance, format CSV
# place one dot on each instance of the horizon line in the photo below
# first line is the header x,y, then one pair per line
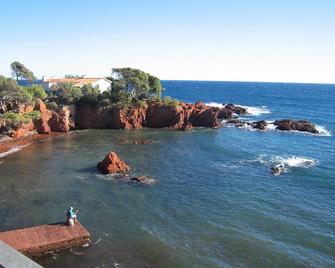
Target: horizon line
x,y
246,81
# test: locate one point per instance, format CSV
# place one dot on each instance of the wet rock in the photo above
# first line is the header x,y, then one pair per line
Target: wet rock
x,y
236,109
291,125
234,121
112,164
277,169
143,179
225,114
261,125
186,127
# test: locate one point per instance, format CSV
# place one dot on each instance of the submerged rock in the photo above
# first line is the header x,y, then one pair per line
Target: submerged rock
x,y
301,125
143,179
277,169
112,164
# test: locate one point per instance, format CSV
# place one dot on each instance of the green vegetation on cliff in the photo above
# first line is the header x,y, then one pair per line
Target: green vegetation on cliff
x,y
16,118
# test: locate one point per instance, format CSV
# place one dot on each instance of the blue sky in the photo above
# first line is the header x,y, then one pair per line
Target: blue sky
x,y
240,40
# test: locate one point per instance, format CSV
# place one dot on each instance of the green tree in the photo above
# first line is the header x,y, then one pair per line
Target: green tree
x,y
11,95
134,84
19,71
36,91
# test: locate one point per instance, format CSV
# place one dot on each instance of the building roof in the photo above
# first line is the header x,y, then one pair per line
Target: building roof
x,y
77,82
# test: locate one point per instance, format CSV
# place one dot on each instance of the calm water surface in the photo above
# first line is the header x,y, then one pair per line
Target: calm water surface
x,y
215,203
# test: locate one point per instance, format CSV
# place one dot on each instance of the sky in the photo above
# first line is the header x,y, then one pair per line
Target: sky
x,y
235,40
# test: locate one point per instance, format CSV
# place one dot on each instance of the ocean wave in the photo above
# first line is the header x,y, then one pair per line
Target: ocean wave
x,y
286,162
323,131
252,110
13,150
294,161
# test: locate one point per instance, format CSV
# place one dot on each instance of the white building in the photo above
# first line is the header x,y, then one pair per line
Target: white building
x,y
103,83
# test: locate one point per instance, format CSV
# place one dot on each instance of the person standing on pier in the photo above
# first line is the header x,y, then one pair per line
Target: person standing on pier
x,y
71,216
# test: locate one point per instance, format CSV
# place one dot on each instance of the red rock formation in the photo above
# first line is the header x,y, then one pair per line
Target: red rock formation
x,y
59,120
42,125
112,164
152,115
22,130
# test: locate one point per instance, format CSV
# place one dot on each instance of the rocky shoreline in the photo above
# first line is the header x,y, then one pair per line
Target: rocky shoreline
x,y
152,114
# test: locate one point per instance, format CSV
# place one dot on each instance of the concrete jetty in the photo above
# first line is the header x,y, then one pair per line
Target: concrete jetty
x,y
38,240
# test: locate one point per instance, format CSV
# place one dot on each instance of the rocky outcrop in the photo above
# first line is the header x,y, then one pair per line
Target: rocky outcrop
x,y
261,125
291,125
21,130
52,120
151,115
225,114
59,120
236,109
112,164
42,125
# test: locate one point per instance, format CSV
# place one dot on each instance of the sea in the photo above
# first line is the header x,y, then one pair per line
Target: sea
x,y
214,202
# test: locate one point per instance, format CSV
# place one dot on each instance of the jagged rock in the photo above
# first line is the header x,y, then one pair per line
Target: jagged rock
x,y
261,125
277,169
301,125
42,125
59,120
186,127
152,115
112,164
225,114
236,109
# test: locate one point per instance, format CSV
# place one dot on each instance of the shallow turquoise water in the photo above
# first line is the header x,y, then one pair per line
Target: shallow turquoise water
x,y
215,204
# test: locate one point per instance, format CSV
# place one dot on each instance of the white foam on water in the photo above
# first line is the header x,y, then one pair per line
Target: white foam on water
x,y
323,131
252,110
13,150
270,125
215,104
294,161
256,111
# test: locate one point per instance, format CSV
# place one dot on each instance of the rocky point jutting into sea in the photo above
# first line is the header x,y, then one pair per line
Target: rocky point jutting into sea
x,y
152,114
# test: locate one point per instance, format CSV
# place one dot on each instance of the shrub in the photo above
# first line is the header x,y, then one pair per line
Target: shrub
x,y
16,118
36,91
171,102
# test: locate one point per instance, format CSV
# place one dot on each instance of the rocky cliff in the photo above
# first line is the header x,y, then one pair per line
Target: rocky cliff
x,y
151,115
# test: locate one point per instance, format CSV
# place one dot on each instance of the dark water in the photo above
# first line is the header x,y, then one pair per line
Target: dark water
x,y
215,205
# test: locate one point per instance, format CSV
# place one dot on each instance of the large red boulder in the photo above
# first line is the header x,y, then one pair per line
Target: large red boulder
x,y
112,164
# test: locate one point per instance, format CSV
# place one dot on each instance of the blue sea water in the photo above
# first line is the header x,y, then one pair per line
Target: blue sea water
x,y
216,203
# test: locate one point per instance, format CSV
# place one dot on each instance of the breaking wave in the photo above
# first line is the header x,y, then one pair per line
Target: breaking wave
x,y
295,161
286,162
252,110
323,131
12,150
